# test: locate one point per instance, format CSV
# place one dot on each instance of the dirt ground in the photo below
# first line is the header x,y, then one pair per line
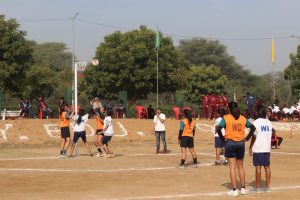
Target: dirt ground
x,y
30,168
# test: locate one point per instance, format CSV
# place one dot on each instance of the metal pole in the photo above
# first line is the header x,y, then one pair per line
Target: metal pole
x,y
157,78
274,93
73,53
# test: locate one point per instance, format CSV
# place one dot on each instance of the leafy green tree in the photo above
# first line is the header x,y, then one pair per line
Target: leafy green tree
x,y
128,62
201,51
203,79
41,80
15,55
52,54
54,58
292,73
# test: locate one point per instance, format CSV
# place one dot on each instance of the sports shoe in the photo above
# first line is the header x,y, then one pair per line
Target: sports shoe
x,y
157,151
244,191
181,166
165,151
61,156
112,155
97,155
233,193
268,190
218,162
194,165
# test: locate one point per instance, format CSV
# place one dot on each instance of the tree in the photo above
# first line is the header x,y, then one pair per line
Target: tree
x,y
203,79
128,62
41,80
203,51
55,60
292,73
15,55
52,54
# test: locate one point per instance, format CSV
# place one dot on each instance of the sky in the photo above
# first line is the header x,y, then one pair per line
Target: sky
x,y
245,27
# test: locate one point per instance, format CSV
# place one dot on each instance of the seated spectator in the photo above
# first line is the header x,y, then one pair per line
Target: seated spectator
x,y
42,106
293,109
151,112
286,112
28,108
22,106
121,109
109,106
276,141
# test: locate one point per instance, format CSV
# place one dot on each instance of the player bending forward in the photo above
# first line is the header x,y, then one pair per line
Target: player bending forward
x,y
260,149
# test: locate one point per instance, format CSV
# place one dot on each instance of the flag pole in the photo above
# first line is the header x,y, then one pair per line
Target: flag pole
x,y
157,78
274,92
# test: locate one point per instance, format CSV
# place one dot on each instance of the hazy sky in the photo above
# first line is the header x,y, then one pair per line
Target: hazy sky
x,y
226,20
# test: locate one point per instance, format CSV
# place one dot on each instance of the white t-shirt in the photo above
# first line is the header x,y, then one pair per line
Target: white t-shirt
x,y
292,109
263,135
217,123
81,126
276,109
158,125
286,110
110,129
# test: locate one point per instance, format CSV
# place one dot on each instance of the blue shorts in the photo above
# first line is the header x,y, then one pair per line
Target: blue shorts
x,y
218,142
78,135
106,139
261,159
235,149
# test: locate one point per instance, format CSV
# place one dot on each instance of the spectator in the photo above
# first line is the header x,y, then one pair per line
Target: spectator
x,y
276,141
212,106
151,112
121,109
42,106
276,101
258,105
28,108
96,105
109,107
22,106
250,101
205,106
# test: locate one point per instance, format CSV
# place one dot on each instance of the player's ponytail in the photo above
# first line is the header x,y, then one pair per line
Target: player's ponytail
x,y
187,114
80,114
234,109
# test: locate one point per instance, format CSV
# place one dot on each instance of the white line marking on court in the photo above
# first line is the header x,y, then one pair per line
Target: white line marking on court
x,y
211,194
286,153
96,170
28,158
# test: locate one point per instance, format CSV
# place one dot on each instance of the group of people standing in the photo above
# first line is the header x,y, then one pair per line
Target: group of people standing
x,y
103,134
211,102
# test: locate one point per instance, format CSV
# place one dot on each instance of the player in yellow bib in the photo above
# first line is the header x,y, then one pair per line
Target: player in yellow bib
x,y
186,138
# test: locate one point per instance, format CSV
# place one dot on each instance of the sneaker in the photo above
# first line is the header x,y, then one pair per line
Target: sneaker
x,y
194,166
233,193
218,162
165,151
64,156
112,155
108,156
157,151
244,191
181,166
267,190
225,162
97,155
61,156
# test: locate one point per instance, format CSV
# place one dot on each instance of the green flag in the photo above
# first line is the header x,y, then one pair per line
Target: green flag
x,y
157,40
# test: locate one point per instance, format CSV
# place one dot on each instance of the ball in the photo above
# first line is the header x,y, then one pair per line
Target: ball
x,y
95,62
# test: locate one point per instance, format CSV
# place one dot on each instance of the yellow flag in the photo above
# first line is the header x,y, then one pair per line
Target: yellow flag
x,y
273,51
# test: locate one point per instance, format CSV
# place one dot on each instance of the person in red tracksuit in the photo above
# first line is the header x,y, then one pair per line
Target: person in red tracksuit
x,y
212,105
225,99
205,106
221,103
